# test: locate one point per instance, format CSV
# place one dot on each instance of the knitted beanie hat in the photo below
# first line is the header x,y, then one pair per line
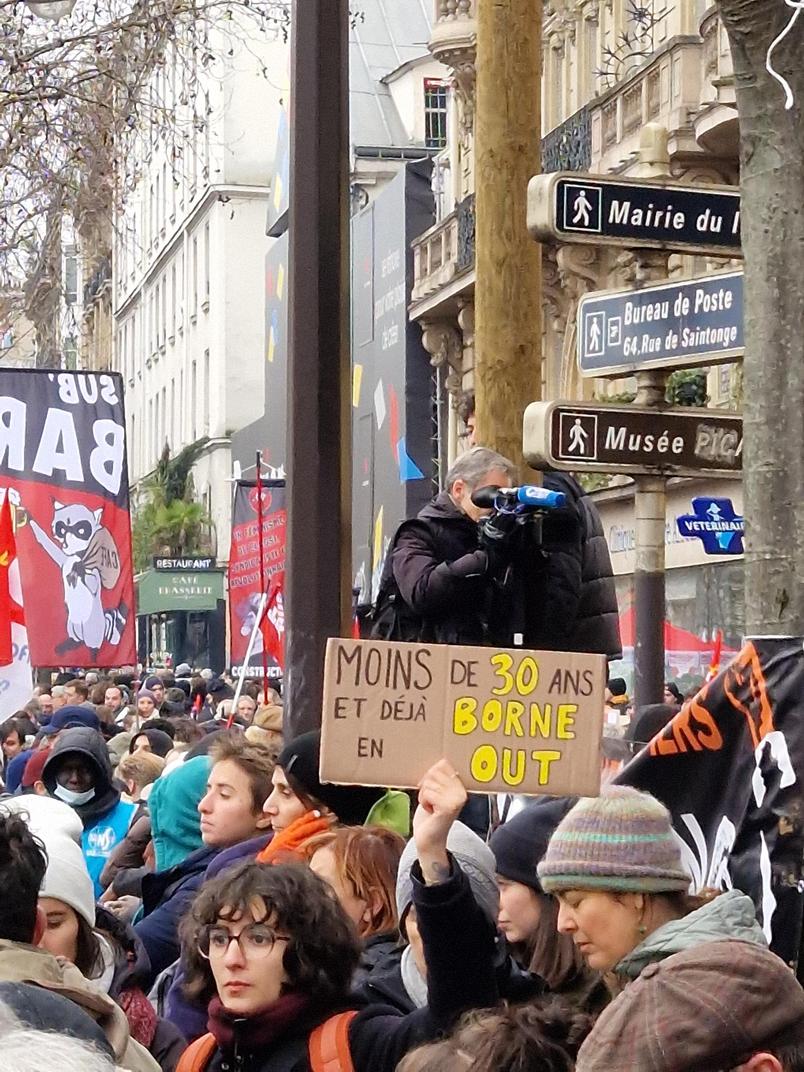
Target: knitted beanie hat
x,y
474,858
621,841
300,761
67,878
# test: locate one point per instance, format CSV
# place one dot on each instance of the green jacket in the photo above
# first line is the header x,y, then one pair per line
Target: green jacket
x,y
731,915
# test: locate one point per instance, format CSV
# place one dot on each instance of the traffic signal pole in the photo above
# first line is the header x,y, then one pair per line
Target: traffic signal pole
x,y
318,572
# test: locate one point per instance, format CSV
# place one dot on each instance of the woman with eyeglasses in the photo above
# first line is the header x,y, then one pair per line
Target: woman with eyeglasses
x,y
274,952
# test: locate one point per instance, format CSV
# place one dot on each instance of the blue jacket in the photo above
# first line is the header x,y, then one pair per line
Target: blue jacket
x,y
166,896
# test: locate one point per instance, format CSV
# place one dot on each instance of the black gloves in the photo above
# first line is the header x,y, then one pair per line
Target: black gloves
x,y
495,530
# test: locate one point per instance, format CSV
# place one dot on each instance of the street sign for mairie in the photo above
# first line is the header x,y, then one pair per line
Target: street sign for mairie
x,y
572,207
670,325
585,438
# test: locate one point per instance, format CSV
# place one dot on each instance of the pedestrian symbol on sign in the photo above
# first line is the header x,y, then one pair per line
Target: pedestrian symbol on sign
x,y
582,208
577,436
595,334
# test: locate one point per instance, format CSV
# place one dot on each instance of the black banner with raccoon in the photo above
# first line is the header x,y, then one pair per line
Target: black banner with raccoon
x,y
63,459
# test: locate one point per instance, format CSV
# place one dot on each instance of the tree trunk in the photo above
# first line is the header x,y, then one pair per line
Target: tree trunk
x,y
508,309
772,186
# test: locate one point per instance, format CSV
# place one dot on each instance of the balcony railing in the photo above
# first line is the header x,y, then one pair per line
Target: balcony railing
x,y
568,147
444,252
667,90
454,10
454,35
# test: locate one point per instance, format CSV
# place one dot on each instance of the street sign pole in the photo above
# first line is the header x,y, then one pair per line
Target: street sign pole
x,y
318,587
650,509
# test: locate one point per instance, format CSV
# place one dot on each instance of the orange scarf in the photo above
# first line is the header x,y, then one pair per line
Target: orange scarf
x,y
293,837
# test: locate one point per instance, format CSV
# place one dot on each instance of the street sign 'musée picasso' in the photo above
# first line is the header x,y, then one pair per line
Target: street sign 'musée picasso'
x,y
581,437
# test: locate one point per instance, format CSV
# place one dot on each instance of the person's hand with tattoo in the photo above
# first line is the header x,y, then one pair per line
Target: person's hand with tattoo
x,y
441,798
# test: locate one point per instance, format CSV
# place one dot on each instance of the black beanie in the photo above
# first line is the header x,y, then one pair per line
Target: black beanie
x,y
616,686
519,844
351,803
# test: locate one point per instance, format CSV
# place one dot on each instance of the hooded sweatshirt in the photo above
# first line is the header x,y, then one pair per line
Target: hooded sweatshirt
x,y
173,804
731,915
105,817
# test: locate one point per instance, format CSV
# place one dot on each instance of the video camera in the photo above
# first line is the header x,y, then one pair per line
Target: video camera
x,y
527,499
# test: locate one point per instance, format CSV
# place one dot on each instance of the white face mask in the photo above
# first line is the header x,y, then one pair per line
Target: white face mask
x,y
72,798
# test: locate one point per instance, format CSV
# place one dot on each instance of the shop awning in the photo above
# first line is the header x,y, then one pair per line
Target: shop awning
x,y
162,590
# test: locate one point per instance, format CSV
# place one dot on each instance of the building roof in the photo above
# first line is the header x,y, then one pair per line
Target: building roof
x,y
387,35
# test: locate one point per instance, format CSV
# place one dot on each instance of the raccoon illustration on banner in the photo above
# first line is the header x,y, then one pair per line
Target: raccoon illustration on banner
x,y
63,455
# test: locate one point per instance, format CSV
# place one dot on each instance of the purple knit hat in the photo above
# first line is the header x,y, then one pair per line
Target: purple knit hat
x,y
621,841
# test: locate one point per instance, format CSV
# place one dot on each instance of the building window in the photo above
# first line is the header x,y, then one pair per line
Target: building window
x,y
193,404
435,113
206,389
206,262
71,278
195,275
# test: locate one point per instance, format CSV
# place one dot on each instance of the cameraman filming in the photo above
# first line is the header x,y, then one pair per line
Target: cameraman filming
x,y
462,574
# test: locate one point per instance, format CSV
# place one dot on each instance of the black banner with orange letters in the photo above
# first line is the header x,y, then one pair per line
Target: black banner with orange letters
x,y
730,767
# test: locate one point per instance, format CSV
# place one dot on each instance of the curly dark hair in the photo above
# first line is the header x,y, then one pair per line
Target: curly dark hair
x,y
23,862
323,951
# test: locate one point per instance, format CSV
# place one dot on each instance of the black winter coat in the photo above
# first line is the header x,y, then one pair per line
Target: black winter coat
x,y
441,573
384,985
563,594
455,933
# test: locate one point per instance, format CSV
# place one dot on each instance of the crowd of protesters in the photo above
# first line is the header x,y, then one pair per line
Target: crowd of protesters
x,y
182,892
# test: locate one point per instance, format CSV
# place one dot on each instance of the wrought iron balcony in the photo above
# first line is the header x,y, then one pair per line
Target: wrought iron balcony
x,y
568,147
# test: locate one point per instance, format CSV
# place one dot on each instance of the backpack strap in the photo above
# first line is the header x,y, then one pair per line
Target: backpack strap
x,y
198,1055
329,1045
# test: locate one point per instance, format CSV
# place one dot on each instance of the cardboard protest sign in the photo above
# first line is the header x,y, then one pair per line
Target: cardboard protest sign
x,y
508,720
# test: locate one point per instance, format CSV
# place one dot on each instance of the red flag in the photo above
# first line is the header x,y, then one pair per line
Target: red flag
x,y
9,610
273,621
355,628
717,654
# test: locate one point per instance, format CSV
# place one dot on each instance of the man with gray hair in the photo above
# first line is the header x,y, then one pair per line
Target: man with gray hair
x,y
438,576
59,696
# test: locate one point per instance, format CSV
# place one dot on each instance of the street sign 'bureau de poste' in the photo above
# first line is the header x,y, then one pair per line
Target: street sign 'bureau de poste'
x,y
680,324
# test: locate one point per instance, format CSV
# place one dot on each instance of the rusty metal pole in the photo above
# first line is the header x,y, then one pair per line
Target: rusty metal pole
x,y
318,588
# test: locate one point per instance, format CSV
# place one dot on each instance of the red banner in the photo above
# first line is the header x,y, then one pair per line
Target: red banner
x,y
245,584
63,459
